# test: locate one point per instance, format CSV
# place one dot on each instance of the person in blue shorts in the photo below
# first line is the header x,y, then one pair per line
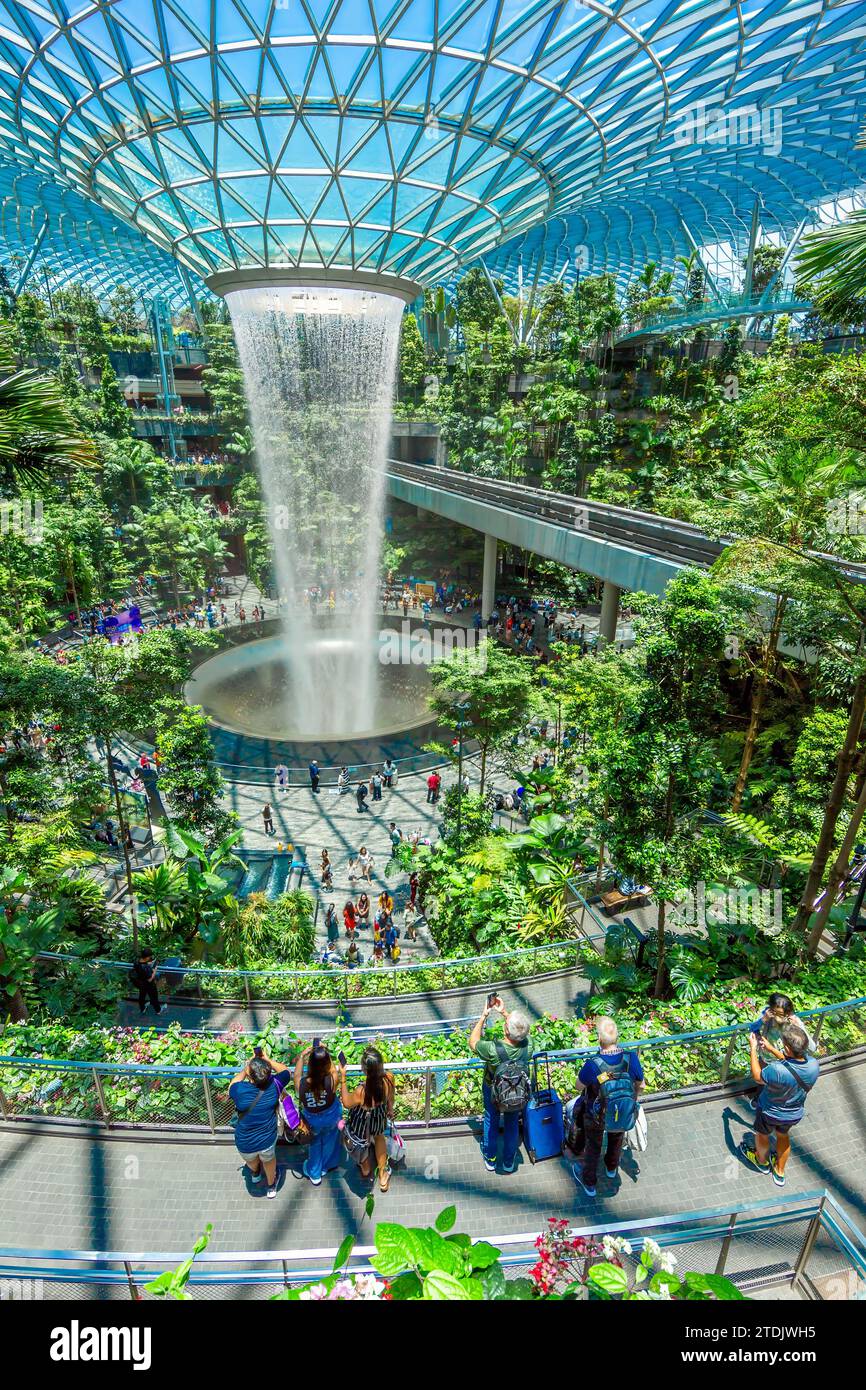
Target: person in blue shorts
x,y
255,1094
785,1084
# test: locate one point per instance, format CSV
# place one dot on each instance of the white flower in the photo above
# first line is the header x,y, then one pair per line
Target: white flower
x,y
667,1261
367,1286
344,1289
615,1245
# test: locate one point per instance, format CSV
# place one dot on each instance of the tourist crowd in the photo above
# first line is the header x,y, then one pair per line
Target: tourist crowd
x,y
327,1117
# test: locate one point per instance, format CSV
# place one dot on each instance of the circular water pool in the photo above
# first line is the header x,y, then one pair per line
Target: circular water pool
x,y
248,690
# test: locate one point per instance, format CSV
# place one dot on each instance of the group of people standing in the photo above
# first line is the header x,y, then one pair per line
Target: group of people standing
x,y
783,1071
333,1117
359,915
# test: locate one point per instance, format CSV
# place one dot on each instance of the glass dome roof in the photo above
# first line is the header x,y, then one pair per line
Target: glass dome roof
x,y
49,229
413,136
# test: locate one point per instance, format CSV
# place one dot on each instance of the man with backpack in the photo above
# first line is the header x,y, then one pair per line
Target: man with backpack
x,y
506,1086
611,1082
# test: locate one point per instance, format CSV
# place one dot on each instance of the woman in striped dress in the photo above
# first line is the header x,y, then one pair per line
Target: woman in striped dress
x,y
370,1107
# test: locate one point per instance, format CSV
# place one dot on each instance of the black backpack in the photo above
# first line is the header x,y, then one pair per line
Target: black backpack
x,y
510,1089
616,1104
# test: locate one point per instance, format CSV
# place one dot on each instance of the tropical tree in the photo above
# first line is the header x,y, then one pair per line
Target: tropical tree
x,y
189,780
161,889
24,931
484,694
210,902
38,436
779,499
656,760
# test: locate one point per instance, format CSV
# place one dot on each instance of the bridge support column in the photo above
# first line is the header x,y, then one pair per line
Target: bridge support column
x,y
488,577
609,612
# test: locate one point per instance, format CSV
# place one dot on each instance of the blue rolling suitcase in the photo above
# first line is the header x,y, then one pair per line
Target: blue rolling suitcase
x,y
543,1122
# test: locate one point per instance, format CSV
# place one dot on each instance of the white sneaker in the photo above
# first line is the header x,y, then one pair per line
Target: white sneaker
x,y
272,1192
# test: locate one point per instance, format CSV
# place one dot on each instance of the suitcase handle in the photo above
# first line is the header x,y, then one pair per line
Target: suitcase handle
x,y
535,1061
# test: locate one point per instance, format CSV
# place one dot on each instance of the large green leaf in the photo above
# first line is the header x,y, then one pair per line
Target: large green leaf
x,y
445,1220
432,1251
344,1252
483,1255
406,1287
395,1249
609,1278
494,1283
440,1286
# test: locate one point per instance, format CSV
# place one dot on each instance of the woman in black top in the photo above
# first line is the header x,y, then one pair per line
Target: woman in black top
x,y
318,1082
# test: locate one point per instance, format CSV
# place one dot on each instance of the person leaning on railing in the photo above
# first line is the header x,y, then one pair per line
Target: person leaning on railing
x,y
318,1083
612,1081
781,1104
255,1094
370,1107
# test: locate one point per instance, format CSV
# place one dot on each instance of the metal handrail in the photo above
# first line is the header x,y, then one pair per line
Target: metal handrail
x,y
442,1064
818,1207
433,963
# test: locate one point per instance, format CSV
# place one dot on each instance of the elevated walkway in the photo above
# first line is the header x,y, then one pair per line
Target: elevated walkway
x,y
626,548
712,311
631,549
84,1198
792,1247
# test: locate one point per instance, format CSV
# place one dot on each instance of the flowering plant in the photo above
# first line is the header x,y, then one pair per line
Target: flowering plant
x,y
564,1259
571,1266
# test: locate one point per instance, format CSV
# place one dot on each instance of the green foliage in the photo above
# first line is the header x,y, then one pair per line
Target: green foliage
x,y
485,690
173,1283
189,780
223,378
475,300
413,358
266,930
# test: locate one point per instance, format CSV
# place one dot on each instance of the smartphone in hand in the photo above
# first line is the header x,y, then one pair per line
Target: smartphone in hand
x,y
341,1058
492,999
257,1052
316,1042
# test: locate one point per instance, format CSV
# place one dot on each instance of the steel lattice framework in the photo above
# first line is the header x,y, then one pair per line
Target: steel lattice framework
x,y
45,225
413,136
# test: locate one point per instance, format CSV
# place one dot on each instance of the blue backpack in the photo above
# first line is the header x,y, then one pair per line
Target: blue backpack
x,y
616,1106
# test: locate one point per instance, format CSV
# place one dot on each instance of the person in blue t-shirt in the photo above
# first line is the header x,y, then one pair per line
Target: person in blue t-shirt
x,y
784,1084
255,1093
611,1057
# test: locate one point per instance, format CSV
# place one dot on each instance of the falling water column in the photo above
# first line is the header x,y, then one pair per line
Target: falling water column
x,y
319,365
